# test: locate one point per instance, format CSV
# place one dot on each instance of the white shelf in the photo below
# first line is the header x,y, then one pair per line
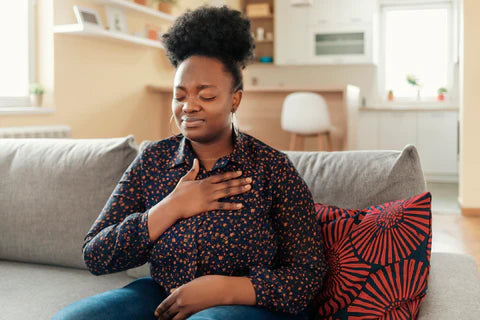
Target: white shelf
x,y
137,7
83,30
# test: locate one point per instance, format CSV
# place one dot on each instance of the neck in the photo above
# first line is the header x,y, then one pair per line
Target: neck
x,y
216,149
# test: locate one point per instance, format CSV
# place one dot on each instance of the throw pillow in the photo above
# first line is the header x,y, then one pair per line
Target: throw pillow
x,y
378,258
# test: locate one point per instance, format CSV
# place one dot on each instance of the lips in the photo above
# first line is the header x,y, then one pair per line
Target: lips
x,y
191,122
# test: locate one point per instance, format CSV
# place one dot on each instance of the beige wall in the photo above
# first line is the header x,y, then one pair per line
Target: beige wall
x,y
469,174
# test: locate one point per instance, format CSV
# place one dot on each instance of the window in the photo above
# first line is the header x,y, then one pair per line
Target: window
x,y
16,56
417,42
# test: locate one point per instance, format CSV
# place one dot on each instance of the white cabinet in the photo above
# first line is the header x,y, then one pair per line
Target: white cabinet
x,y
434,134
340,12
397,129
327,32
437,141
367,128
290,33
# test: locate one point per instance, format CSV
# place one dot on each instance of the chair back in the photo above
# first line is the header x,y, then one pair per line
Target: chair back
x,y
305,113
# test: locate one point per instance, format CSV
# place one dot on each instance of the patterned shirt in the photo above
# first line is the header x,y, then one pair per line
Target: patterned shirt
x,y
272,240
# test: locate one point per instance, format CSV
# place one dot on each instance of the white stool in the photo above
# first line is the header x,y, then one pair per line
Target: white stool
x,y
305,114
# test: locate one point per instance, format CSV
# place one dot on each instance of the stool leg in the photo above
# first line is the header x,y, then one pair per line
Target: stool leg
x,y
320,141
293,141
301,140
329,142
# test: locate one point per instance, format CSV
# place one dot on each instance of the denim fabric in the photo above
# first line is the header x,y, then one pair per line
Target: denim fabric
x,y
139,299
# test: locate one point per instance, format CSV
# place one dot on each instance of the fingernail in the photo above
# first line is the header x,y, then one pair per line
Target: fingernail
x,y
239,172
249,179
239,205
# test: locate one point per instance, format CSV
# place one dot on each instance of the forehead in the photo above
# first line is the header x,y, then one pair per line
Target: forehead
x,y
199,70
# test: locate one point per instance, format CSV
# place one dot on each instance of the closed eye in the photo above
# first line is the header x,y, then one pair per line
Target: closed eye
x,y
206,99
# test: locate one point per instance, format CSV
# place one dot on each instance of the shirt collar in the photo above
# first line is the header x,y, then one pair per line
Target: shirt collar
x,y
185,153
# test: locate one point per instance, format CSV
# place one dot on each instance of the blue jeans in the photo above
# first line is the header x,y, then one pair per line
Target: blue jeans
x,y
139,299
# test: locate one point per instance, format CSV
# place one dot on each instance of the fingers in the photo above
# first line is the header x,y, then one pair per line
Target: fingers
x,y
192,173
222,193
224,176
164,309
232,183
216,205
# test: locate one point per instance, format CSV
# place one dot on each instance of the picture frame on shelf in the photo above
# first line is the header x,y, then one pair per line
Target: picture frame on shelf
x,y
116,19
88,17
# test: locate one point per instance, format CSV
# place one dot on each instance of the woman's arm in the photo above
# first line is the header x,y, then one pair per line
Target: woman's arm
x,y
119,238
300,265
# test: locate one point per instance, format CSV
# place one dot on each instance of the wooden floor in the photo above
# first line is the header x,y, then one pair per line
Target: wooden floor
x,y
451,231
456,233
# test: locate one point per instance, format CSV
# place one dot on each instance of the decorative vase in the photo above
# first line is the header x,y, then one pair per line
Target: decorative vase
x,y
36,100
441,97
418,94
165,7
142,2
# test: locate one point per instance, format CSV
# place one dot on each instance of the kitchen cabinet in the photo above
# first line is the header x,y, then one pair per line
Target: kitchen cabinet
x,y
326,32
434,134
290,33
342,12
437,141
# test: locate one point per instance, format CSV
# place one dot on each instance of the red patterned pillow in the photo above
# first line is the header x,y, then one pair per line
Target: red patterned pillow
x,y
378,258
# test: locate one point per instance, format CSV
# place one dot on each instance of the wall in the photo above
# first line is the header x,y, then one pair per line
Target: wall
x,y
469,174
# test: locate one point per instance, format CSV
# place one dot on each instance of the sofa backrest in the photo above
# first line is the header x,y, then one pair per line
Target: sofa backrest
x,y
52,190
361,178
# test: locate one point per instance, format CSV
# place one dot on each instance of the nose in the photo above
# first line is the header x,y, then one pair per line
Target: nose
x,y
190,106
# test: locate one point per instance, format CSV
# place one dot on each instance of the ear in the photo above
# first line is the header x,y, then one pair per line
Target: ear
x,y
237,97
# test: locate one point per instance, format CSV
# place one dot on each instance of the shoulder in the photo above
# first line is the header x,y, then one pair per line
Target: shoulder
x,y
160,151
264,153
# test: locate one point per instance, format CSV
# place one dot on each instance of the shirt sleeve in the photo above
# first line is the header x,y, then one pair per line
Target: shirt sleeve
x,y
299,265
118,239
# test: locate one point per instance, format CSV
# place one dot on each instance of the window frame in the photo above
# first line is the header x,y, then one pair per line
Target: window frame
x,y
12,102
388,5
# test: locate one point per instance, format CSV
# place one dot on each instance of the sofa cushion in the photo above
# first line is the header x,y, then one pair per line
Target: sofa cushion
x,y
378,258
360,178
37,291
51,192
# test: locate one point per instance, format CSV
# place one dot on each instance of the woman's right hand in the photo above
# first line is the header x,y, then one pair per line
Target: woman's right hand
x,y
191,197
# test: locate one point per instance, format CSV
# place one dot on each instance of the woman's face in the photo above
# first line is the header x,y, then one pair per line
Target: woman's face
x,y
202,99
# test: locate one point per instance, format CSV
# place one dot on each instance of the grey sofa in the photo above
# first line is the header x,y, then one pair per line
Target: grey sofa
x,y
52,190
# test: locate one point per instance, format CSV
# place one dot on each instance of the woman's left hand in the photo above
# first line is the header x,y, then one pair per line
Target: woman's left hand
x,y
200,293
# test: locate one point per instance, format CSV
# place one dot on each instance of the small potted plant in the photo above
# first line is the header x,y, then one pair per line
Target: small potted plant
x,y
165,5
441,93
390,95
36,94
413,81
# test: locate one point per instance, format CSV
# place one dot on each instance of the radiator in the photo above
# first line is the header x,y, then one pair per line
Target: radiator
x,y
56,131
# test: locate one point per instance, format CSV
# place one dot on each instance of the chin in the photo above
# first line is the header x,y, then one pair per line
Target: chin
x,y
196,135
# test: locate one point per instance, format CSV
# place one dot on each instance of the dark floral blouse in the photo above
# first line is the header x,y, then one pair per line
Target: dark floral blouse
x,y
273,240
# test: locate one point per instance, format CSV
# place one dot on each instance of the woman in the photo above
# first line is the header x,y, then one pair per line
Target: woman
x,y
225,220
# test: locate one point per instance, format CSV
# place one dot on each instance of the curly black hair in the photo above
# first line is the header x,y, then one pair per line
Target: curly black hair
x,y
217,32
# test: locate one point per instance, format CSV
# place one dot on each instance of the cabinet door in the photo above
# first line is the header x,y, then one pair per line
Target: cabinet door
x,y
325,12
290,33
356,11
367,130
397,129
437,141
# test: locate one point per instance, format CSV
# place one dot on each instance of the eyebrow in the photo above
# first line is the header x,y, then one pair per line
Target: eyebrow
x,y
201,86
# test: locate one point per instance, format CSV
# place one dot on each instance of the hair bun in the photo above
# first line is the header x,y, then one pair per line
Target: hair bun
x,y
212,31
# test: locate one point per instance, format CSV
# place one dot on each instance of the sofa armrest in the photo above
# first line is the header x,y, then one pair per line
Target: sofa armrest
x,y
453,288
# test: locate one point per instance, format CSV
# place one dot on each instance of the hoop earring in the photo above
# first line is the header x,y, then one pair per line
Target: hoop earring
x,y
234,123
170,125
